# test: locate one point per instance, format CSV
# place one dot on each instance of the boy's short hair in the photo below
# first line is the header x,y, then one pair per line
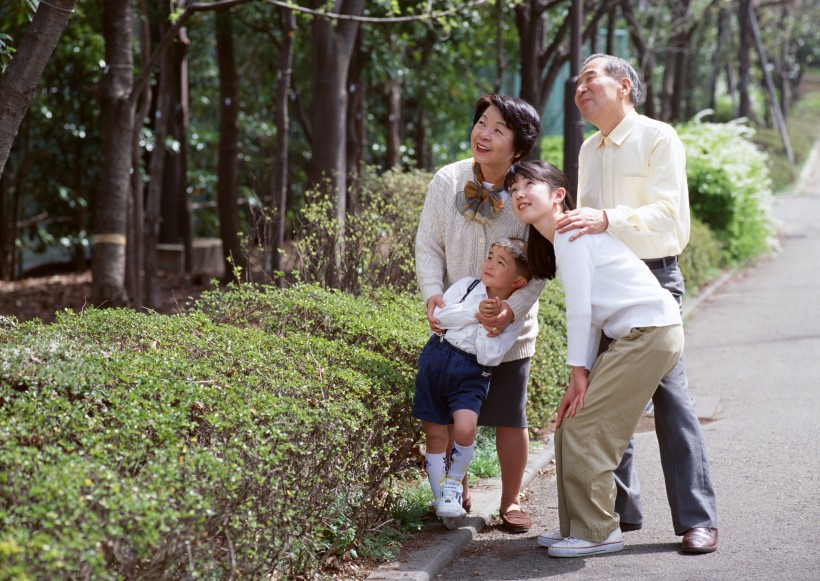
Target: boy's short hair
x,y
518,249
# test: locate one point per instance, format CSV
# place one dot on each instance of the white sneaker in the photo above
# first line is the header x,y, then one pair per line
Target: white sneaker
x,y
549,538
449,505
572,547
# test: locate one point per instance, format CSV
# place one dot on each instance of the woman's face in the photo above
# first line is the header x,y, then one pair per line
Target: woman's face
x,y
492,141
533,201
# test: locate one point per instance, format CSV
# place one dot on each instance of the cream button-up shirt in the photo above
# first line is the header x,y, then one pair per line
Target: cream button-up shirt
x,y
637,174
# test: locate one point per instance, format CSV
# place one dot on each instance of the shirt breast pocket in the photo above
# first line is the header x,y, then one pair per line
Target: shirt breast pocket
x,y
633,191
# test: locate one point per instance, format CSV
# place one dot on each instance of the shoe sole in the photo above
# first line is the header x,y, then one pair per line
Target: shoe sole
x,y
457,514
450,522
698,551
585,551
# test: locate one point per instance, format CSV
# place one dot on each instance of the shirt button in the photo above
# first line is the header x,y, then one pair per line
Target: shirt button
x,y
481,240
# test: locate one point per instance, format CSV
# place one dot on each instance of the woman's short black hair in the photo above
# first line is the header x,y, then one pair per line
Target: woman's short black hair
x,y
519,116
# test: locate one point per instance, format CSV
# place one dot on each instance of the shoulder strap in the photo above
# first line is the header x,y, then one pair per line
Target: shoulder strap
x,y
469,289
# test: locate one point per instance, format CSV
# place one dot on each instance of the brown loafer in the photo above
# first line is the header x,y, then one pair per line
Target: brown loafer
x,y
700,540
516,521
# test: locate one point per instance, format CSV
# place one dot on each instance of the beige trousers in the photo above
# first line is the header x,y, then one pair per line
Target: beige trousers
x,y
589,445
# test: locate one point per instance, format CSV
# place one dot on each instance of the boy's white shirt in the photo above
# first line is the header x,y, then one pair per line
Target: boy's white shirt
x,y
607,288
463,329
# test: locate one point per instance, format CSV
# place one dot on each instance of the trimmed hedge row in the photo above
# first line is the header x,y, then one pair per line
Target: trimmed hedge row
x,y
251,435
164,447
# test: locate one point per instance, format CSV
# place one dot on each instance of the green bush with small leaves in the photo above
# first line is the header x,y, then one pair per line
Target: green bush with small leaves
x,y
257,433
157,447
729,186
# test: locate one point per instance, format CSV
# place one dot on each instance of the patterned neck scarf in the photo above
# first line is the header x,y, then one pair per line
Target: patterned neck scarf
x,y
480,203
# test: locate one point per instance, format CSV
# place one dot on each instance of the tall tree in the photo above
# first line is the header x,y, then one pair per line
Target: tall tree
x,y
19,83
279,187
117,122
228,169
744,57
333,44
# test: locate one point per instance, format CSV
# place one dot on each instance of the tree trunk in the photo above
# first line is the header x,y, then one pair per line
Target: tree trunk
x,y
646,57
332,50
393,118
136,209
156,172
279,191
117,125
19,83
356,133
227,171
744,58
717,61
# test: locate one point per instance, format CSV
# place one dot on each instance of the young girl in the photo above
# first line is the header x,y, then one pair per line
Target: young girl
x,y
607,288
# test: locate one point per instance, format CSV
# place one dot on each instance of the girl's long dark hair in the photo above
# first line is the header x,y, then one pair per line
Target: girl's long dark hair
x,y
540,251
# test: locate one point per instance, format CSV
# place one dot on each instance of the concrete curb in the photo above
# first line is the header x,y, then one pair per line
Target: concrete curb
x,y
425,563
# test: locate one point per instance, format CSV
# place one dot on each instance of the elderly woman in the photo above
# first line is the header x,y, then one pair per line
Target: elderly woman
x,y
465,211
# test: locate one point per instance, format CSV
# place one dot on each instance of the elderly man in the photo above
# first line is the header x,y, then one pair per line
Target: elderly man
x,y
632,183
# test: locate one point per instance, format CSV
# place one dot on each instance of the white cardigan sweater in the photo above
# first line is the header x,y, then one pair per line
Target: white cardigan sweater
x,y
449,248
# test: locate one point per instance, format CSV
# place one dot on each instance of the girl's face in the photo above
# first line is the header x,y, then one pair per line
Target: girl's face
x,y
532,200
492,141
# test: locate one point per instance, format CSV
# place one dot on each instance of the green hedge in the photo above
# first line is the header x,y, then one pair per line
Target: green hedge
x,y
251,435
167,446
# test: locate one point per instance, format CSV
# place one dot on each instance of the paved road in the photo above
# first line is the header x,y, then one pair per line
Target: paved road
x,y
755,344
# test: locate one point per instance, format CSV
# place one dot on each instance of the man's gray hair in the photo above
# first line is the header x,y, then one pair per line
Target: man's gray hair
x,y
618,68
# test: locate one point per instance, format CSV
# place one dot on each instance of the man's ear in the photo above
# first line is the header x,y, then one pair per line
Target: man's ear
x,y
626,86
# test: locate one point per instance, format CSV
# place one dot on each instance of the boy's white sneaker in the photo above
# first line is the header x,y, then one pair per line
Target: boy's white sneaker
x,y
572,547
549,538
449,505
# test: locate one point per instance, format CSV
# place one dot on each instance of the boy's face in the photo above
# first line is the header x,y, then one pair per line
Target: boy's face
x,y
498,271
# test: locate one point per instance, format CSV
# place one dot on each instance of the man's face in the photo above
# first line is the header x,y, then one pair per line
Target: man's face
x,y
597,95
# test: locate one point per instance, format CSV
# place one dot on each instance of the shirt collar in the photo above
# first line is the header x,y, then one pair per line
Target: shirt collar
x,y
622,129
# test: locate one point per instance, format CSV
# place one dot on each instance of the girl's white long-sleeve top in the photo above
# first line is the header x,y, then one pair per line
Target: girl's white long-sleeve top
x,y
607,287
463,329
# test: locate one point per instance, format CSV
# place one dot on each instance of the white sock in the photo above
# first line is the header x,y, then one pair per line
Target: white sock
x,y
460,459
436,467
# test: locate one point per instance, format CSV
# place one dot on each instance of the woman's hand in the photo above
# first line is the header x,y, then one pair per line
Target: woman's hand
x,y
573,399
433,302
501,318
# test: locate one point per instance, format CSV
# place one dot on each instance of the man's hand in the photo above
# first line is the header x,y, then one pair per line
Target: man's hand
x,y
433,302
495,324
585,220
573,399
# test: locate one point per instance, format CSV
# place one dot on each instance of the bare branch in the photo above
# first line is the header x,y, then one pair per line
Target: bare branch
x,y
429,16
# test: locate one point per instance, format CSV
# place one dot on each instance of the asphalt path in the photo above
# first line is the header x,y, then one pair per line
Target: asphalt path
x,y
754,343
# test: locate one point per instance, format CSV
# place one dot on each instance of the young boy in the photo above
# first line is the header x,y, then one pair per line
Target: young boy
x,y
455,369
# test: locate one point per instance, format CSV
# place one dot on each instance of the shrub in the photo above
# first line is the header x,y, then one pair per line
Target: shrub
x,y
729,186
164,447
549,373
702,258
375,246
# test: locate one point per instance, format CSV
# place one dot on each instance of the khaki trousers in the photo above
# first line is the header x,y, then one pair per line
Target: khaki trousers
x,y
589,445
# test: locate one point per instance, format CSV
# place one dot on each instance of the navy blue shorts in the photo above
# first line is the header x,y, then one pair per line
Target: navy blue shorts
x,y
448,380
